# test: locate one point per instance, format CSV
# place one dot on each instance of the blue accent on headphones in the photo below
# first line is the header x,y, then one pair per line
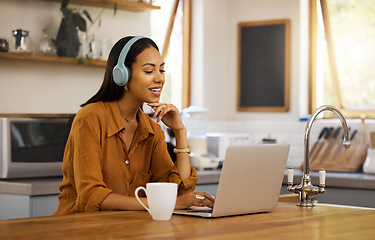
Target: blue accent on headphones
x,y
121,73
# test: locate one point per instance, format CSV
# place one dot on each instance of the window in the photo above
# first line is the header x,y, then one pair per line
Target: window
x,y
170,27
341,56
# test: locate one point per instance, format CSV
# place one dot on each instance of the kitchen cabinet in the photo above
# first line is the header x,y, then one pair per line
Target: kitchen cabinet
x,y
24,206
33,197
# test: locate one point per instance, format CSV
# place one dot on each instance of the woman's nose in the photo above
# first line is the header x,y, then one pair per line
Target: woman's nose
x,y
160,77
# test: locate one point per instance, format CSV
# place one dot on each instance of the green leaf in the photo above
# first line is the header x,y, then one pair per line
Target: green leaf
x,y
82,23
74,19
87,14
114,8
66,12
64,4
79,21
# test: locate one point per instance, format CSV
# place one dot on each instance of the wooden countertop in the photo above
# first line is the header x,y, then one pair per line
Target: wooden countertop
x,y
287,222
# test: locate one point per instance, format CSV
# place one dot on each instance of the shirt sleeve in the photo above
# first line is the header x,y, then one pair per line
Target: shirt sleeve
x,y
163,169
186,185
88,177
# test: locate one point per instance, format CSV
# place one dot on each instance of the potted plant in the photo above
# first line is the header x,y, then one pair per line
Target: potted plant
x,y
67,41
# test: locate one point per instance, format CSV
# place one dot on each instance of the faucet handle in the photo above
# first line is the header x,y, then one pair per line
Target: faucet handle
x,y
290,173
322,177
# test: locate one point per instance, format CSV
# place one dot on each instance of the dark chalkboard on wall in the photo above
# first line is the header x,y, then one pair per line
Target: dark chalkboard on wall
x,y
263,66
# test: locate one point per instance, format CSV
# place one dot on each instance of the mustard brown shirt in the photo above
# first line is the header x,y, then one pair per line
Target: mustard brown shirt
x,y
96,161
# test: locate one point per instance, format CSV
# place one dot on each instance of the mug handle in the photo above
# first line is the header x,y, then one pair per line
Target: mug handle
x,y
136,195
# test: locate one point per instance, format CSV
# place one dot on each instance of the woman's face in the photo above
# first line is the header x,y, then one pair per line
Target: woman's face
x,y
147,76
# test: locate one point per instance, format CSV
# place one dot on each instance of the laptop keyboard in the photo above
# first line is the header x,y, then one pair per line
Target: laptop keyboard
x,y
200,210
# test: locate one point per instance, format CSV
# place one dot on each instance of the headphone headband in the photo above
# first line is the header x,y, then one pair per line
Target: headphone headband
x,y
121,74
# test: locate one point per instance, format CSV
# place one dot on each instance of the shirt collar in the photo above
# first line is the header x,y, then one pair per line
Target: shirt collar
x,y
116,124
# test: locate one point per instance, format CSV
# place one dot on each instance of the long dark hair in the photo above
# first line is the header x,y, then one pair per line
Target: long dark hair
x,y
109,91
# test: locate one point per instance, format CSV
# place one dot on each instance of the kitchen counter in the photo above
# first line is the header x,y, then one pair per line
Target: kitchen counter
x,y
31,186
334,179
287,221
355,189
49,186
22,198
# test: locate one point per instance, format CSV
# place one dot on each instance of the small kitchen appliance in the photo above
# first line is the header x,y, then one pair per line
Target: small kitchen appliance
x,y
195,120
32,146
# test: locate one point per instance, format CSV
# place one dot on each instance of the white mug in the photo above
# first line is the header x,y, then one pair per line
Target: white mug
x,y
161,199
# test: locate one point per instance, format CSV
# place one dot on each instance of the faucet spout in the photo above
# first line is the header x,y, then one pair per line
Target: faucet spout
x,y
306,190
309,124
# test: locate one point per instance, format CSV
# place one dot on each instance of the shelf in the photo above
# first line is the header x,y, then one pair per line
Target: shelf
x,y
121,4
53,59
37,115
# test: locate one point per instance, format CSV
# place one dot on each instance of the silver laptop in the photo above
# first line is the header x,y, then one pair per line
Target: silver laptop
x,y
250,181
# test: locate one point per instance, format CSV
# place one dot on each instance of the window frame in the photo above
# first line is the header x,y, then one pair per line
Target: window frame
x,y
186,46
353,113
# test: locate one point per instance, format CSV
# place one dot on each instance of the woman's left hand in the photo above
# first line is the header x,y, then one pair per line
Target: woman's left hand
x,y
199,199
168,114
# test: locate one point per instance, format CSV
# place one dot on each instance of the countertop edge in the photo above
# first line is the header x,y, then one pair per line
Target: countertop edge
x,y
49,186
333,179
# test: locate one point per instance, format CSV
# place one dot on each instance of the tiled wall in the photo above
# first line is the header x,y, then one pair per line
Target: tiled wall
x,y
286,132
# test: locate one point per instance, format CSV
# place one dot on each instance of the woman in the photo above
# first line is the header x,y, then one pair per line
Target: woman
x,y
114,147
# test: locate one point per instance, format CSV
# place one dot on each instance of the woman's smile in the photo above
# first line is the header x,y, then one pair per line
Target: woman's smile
x,y
155,90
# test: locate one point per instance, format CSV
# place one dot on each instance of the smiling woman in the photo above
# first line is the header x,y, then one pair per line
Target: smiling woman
x,y
114,147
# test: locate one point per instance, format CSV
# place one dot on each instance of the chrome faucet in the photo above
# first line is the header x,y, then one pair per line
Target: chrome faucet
x,y
306,190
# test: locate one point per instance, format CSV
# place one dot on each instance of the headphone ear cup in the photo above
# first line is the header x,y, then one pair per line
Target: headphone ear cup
x,y
127,74
121,75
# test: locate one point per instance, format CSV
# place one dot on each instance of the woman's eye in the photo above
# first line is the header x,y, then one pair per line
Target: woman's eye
x,y
162,71
149,71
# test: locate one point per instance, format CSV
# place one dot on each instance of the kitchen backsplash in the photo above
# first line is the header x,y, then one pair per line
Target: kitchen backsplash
x,y
287,132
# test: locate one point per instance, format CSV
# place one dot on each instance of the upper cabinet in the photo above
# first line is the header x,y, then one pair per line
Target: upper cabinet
x,y
121,4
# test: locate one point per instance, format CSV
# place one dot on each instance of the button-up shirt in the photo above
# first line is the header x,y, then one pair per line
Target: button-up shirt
x,y
96,161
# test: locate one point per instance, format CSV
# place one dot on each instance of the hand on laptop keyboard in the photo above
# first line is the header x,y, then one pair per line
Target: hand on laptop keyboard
x,y
199,199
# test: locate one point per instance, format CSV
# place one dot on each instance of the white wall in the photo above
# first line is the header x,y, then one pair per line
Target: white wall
x,y
32,87
214,69
214,64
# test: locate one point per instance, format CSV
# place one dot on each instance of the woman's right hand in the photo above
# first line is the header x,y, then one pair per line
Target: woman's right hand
x,y
200,199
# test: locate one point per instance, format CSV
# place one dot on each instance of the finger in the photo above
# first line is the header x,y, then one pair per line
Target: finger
x,y
206,196
157,112
163,110
158,108
204,200
155,105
